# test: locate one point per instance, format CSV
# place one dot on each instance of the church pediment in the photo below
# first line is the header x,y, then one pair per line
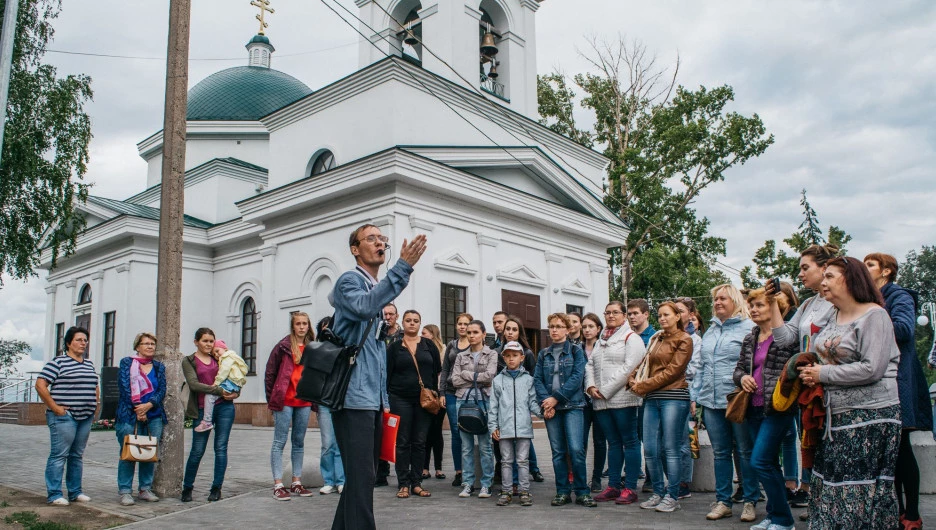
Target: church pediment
x,y
454,261
520,274
576,287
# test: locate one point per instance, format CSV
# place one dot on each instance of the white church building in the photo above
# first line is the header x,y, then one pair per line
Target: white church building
x,y
423,138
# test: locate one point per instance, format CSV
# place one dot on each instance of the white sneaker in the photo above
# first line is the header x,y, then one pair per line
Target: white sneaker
x,y
763,525
126,500
667,505
340,488
327,489
652,502
82,498
466,491
61,501
780,527
485,493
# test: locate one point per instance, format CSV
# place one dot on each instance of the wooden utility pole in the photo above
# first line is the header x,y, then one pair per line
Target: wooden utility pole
x,y
10,11
168,481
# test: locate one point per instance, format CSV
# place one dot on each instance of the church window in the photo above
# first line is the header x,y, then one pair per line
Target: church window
x,y
109,327
84,296
59,339
570,308
454,303
249,335
323,162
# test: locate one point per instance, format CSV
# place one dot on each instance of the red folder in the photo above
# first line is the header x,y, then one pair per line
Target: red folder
x,y
391,424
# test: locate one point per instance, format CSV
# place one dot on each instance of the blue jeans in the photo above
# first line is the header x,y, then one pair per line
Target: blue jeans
x,y
330,461
566,440
721,433
599,443
484,447
788,450
68,438
685,474
125,469
223,421
664,430
620,428
451,409
768,432
298,418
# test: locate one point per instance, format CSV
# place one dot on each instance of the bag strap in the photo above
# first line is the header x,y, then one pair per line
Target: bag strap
x,y
413,355
363,339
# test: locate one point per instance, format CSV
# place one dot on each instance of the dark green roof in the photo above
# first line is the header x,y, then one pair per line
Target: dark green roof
x,y
243,93
146,212
259,38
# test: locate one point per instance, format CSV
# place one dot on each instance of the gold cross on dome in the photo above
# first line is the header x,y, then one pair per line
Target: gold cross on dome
x,y
265,8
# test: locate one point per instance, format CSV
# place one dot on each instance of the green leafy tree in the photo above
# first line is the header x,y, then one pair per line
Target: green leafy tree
x,y
667,144
770,261
11,351
45,149
918,272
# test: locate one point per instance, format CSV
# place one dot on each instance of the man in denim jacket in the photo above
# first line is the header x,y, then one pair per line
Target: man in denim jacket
x,y
358,299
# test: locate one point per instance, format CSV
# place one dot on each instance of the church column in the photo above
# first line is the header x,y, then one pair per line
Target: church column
x,y
489,299
266,317
422,280
599,287
122,333
524,98
71,298
96,344
553,278
50,322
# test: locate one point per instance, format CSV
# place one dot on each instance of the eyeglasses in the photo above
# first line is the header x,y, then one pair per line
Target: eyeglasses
x,y
557,326
373,238
147,344
612,313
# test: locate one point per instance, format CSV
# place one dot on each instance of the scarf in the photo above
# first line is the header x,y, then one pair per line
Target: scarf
x,y
139,383
607,332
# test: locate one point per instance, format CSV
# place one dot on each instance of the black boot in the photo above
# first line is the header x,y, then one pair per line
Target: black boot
x,y
215,494
186,494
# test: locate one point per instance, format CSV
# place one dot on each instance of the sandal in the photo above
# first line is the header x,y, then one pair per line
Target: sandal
x,y
439,475
425,475
403,493
418,490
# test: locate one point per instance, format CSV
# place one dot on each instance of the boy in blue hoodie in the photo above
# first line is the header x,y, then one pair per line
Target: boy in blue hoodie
x,y
513,400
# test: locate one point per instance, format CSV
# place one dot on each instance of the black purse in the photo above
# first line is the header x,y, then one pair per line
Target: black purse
x,y
327,367
472,416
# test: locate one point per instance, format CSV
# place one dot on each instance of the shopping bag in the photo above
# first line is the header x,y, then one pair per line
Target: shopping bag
x,y
391,424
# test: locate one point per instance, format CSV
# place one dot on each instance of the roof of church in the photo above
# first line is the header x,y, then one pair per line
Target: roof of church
x,y
243,93
146,212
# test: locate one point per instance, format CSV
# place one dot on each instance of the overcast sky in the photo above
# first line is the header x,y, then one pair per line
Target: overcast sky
x,y
847,88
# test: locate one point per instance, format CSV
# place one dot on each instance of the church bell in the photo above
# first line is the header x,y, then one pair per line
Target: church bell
x,y
488,47
410,38
493,72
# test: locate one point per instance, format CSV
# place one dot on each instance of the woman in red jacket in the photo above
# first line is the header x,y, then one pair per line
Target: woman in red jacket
x,y
283,371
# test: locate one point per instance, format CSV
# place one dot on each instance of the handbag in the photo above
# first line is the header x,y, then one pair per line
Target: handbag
x,y
327,367
472,416
428,398
738,400
140,448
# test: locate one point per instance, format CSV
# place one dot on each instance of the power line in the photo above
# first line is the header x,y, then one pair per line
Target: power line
x,y
146,58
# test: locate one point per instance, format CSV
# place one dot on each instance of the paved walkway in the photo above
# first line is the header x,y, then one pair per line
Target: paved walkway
x,y
248,503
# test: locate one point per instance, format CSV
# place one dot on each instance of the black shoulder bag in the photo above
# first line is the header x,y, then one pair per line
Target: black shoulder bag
x,y
472,416
327,367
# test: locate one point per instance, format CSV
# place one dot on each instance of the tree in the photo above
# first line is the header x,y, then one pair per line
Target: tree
x,y
773,262
918,272
667,144
45,149
11,351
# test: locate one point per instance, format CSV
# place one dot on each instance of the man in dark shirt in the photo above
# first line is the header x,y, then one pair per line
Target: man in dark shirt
x,y
638,316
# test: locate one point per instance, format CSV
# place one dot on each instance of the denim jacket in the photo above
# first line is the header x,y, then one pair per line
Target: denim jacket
x,y
721,348
125,412
571,394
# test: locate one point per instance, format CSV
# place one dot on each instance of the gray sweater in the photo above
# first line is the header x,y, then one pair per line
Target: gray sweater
x,y
815,310
860,370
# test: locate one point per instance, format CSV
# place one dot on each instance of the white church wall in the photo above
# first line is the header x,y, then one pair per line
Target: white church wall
x,y
201,150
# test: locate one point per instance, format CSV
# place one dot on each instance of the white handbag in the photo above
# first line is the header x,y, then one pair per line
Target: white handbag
x,y
139,448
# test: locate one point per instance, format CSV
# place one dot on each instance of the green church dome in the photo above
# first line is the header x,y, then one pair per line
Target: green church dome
x,y
243,93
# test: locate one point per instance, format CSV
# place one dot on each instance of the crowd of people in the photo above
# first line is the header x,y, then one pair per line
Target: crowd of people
x,y
807,404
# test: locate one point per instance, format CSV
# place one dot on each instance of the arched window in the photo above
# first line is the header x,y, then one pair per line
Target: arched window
x,y
84,296
323,162
249,335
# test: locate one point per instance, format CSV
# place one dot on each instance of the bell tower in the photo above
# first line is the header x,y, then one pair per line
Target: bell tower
x,y
480,44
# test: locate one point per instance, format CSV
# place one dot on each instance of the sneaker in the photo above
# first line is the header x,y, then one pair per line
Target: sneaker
x,y
186,495
595,486
457,483
538,477
126,499
214,494
526,499
738,494
297,489
718,511
609,494
781,527
485,493
327,490
466,491
652,502
647,487
340,488
561,499
148,496
585,500
763,525
280,493
81,498
628,496
799,498
204,426
61,501
504,498
684,492
668,505
748,514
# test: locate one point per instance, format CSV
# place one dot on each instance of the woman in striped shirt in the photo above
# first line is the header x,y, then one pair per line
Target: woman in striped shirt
x,y
68,386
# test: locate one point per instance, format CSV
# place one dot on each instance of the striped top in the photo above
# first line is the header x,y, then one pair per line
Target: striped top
x,y
675,393
73,384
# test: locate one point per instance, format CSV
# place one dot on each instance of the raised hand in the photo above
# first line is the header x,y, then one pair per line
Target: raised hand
x,y
413,250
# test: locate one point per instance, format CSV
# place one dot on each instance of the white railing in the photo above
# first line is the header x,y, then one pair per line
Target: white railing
x,y
491,86
18,390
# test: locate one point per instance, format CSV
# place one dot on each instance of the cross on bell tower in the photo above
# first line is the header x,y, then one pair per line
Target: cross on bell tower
x,y
265,8
259,49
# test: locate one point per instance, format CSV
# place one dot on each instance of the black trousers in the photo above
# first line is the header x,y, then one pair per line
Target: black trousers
x,y
435,443
358,433
411,440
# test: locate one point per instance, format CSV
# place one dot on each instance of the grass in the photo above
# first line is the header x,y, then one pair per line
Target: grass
x,y
30,521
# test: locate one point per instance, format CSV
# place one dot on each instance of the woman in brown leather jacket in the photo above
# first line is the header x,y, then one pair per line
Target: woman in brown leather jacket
x,y
666,405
